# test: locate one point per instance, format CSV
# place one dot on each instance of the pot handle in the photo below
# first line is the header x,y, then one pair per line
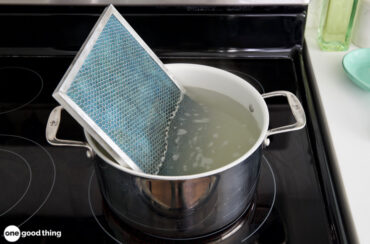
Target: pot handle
x,y
297,111
52,130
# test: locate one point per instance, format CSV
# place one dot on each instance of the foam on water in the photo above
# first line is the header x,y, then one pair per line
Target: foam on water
x,y
209,131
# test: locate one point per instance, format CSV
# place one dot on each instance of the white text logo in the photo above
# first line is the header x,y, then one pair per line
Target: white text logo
x,y
12,233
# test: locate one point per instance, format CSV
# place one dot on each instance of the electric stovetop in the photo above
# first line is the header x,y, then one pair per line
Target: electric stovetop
x,y
51,193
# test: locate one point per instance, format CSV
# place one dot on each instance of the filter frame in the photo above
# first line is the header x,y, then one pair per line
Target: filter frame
x,y
60,93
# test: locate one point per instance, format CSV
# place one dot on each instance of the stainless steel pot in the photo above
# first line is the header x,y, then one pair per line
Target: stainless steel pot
x,y
190,205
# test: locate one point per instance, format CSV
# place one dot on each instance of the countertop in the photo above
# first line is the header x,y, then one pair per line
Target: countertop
x,y
346,113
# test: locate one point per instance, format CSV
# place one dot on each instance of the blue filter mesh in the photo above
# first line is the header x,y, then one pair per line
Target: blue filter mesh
x,y
127,94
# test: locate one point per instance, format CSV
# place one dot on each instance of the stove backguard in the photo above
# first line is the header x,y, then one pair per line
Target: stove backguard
x,y
219,29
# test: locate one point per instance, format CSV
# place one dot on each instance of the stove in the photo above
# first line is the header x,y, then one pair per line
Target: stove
x,y
51,193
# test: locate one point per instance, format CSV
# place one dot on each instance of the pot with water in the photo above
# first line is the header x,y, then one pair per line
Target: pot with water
x,y
210,177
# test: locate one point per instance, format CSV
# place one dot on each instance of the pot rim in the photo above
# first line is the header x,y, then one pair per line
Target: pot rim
x,y
259,99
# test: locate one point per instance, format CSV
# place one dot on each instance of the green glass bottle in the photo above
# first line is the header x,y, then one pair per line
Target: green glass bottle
x,y
336,24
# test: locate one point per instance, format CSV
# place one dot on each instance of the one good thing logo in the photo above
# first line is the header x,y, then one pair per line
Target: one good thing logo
x,y
12,233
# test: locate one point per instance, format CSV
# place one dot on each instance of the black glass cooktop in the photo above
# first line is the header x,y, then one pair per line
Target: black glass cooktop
x,y
51,193
54,188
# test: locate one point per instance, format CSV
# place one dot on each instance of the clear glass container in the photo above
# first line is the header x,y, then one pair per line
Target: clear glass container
x,y
336,24
361,29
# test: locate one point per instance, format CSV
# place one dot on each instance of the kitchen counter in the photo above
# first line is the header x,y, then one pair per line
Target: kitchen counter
x,y
346,116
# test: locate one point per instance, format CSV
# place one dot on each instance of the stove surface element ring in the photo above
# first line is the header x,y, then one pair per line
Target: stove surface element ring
x,y
19,86
17,179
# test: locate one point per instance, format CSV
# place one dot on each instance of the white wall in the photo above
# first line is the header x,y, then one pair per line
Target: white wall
x,y
314,12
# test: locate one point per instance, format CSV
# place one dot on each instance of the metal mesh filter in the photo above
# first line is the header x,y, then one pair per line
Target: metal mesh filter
x,y
119,91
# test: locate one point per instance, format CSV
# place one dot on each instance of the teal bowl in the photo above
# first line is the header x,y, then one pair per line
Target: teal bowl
x,y
357,66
